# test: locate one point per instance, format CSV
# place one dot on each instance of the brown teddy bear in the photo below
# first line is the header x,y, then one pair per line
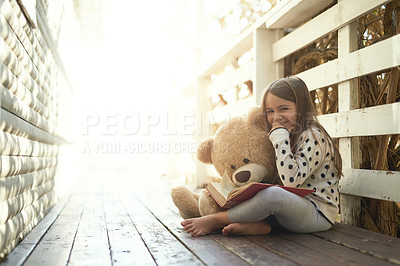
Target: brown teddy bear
x,y
240,150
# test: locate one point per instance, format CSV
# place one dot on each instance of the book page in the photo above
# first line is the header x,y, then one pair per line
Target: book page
x,y
237,190
223,192
226,184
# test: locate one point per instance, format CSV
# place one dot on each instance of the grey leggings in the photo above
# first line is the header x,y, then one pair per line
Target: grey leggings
x,y
294,213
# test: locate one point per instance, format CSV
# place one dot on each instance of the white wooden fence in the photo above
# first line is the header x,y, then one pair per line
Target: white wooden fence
x,y
270,48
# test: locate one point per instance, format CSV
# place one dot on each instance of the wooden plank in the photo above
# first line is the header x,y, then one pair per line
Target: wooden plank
x,y
250,251
243,44
366,235
354,64
324,73
232,79
205,247
334,253
202,106
159,241
385,253
371,121
226,112
334,18
21,253
382,185
349,148
55,246
91,244
357,64
289,14
291,250
126,245
265,69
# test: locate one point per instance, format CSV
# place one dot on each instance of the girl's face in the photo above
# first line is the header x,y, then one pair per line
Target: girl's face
x,y
280,112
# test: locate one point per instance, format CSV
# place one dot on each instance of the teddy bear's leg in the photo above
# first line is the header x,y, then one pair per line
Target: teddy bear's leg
x,y
207,204
187,201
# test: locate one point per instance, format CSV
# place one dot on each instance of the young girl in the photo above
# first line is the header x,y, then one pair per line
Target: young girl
x,y
306,157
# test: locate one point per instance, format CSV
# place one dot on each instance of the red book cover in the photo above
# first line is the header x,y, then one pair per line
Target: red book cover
x,y
228,199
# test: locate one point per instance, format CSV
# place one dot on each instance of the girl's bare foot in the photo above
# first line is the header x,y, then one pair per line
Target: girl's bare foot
x,y
205,225
258,228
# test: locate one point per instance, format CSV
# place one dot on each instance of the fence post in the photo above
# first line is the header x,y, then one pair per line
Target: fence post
x,y
350,205
202,125
265,69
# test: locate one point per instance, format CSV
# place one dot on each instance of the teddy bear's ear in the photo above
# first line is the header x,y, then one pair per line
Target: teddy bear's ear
x,y
257,117
204,150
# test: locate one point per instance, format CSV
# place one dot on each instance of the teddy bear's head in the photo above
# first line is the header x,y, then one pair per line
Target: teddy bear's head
x,y
241,150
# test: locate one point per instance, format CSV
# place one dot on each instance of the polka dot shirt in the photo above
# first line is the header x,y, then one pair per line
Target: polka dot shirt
x,y
311,166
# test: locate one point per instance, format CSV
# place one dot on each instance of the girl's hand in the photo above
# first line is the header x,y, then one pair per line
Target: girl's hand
x,y
277,125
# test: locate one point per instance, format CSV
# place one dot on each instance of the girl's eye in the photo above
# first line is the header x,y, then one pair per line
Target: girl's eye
x,y
270,111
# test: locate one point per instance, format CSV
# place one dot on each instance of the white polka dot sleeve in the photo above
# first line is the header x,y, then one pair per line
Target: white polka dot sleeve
x,y
309,153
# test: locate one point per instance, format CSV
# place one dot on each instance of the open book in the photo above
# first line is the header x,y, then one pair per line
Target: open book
x,y
227,194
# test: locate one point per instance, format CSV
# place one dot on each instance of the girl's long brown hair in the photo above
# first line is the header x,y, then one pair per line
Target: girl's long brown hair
x,y
295,90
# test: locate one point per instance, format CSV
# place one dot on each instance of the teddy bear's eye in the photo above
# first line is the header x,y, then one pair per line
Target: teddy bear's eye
x,y
233,167
245,160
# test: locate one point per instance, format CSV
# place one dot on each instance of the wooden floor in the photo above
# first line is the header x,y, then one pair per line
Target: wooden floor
x,y
120,220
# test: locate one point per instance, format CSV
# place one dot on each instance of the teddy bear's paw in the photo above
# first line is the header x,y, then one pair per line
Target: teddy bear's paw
x,y
187,201
207,204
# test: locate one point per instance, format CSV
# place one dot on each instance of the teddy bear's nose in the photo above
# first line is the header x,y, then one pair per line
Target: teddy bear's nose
x,y
243,176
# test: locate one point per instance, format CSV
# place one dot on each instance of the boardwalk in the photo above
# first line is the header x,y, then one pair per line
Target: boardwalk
x,y
118,218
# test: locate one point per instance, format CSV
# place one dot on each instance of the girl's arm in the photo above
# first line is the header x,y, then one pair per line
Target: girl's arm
x,y
311,150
